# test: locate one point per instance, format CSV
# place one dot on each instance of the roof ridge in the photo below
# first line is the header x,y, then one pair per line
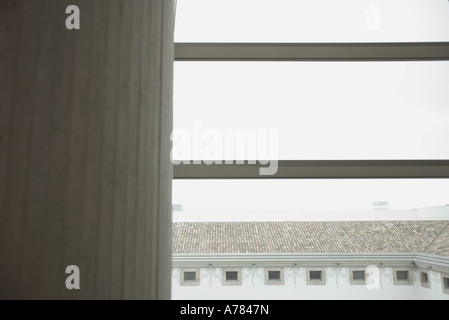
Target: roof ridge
x,y
435,239
320,221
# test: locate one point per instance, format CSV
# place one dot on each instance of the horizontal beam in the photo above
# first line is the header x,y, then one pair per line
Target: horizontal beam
x,y
320,169
419,51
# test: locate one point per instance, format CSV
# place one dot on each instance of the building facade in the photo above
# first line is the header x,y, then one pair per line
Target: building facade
x,y
311,260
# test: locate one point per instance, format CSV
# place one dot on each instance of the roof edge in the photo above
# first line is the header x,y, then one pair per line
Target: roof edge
x,y
424,261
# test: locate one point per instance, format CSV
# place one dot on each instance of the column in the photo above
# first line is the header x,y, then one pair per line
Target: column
x,y
85,171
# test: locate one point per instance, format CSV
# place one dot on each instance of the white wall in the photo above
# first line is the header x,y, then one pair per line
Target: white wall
x,y
436,291
337,287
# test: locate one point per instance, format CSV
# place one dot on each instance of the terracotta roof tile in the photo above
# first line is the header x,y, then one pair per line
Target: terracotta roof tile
x,y
440,245
312,237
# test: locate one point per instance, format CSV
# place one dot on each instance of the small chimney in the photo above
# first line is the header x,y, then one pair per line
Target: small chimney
x,y
176,207
381,205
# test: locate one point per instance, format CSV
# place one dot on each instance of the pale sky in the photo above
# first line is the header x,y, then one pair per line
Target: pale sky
x,y
312,20
321,110
297,195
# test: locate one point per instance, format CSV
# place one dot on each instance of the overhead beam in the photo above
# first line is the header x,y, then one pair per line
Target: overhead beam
x,y
320,169
422,51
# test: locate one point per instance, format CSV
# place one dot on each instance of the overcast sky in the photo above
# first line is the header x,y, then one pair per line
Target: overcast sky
x,y
312,20
281,195
321,110
332,110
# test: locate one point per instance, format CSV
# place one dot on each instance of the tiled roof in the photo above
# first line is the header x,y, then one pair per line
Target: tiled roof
x,y
440,244
312,237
